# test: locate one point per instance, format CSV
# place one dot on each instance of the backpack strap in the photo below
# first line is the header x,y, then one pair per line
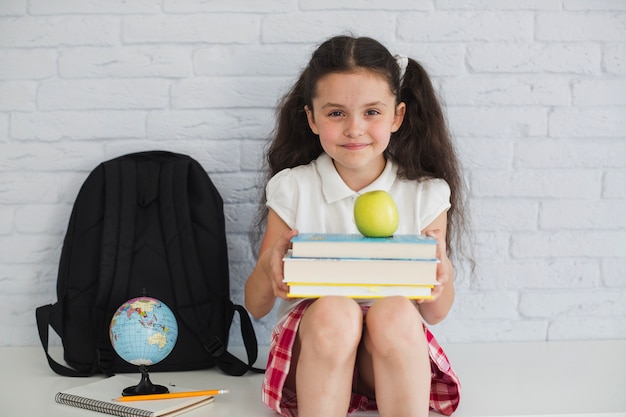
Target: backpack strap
x,y
184,261
43,315
118,232
249,340
226,361
123,209
51,315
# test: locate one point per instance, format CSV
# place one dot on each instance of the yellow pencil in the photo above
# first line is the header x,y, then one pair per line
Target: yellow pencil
x,y
170,395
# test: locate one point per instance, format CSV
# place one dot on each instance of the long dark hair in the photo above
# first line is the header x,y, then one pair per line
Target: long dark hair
x,y
422,147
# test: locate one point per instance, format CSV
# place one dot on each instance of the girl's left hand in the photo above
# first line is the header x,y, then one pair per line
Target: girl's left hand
x,y
444,267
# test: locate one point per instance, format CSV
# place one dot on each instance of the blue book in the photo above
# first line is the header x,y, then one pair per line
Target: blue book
x,y
342,245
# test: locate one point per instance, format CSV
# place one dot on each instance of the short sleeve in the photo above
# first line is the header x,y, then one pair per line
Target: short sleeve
x,y
434,200
282,196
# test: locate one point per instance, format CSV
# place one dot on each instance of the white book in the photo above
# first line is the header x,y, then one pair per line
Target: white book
x,y
359,271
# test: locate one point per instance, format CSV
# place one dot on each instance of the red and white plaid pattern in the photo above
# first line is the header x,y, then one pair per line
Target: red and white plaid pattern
x,y
444,389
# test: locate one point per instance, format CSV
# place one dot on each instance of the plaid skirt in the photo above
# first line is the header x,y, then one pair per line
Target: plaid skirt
x,y
444,388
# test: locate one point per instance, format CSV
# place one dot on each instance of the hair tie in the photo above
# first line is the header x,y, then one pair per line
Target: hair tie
x,y
402,61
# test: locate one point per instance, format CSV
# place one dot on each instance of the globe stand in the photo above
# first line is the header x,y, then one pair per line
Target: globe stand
x,y
145,386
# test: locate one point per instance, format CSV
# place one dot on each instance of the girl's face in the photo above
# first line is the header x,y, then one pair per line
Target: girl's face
x,y
354,115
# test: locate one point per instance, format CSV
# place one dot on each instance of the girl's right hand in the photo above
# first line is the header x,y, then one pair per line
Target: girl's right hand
x,y
265,283
275,263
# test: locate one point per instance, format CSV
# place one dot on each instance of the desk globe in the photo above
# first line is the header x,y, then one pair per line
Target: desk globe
x,y
143,332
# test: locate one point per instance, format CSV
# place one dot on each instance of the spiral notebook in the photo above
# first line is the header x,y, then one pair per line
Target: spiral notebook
x,y
99,396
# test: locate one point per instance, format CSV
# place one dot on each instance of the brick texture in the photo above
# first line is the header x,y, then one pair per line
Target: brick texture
x,y
535,94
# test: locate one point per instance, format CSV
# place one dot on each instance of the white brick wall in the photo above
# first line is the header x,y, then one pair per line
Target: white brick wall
x,y
535,93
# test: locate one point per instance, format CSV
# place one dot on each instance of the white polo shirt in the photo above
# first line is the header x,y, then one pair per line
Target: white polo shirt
x,y
314,198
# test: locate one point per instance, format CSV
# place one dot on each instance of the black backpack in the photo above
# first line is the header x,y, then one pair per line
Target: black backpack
x,y
149,223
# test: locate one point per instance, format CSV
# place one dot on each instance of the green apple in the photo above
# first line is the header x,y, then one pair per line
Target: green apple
x,y
376,214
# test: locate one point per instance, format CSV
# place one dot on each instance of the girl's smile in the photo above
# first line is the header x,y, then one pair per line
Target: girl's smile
x,y
355,146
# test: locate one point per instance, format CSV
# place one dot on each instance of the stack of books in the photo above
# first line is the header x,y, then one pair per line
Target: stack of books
x,y
356,266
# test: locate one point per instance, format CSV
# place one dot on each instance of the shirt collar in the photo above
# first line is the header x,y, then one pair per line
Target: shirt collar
x,y
333,187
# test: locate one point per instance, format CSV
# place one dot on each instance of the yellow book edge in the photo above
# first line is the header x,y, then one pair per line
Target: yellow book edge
x,y
369,296
343,284
373,289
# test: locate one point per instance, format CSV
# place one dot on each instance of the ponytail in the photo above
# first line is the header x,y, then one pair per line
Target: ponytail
x,y
423,146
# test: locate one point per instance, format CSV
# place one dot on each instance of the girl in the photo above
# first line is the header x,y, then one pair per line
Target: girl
x,y
357,120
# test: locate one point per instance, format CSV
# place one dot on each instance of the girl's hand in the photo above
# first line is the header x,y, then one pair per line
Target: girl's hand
x,y
275,263
444,267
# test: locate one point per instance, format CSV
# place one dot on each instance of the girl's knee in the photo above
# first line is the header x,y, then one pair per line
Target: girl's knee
x,y
394,321
332,326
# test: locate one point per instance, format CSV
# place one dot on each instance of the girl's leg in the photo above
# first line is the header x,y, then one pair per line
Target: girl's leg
x,y
393,359
324,355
